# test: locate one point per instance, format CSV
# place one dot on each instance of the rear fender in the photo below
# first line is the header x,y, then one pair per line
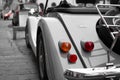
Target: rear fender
x,y
32,22
53,32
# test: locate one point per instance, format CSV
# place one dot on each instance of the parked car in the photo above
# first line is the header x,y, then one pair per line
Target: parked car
x,y
22,9
7,14
67,43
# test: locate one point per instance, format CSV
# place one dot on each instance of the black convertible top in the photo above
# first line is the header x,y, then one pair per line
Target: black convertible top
x,y
77,10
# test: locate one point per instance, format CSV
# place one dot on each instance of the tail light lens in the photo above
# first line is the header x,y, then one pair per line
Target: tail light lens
x,y
72,58
88,46
65,46
10,14
6,15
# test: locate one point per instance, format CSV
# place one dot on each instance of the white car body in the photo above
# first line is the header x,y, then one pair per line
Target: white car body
x,y
82,27
33,21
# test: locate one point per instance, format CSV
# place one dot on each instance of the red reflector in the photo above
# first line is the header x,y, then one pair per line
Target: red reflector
x,y
88,46
65,46
72,58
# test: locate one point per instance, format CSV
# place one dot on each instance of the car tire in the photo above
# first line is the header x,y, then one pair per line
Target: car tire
x,y
14,22
41,58
27,37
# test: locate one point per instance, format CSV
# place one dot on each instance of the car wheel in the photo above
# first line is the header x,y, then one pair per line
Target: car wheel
x,y
41,58
15,23
27,37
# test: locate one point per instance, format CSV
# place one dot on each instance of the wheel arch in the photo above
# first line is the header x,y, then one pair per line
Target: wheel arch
x,y
53,32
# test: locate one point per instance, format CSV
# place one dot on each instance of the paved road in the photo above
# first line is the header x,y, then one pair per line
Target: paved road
x,y
17,62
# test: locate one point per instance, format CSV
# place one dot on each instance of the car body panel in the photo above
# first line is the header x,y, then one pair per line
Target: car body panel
x,y
52,35
78,28
81,27
32,23
51,45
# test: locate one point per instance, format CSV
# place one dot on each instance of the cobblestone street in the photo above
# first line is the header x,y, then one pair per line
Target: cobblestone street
x,y
17,62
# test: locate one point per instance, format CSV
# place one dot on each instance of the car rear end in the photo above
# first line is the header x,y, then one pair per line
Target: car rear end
x,y
93,54
83,56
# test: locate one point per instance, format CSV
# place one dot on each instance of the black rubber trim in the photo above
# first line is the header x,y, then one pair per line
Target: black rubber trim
x,y
70,37
77,10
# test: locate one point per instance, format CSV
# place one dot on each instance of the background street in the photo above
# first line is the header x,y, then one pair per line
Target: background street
x,y
17,62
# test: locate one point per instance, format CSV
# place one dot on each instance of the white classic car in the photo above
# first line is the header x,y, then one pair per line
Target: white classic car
x,y
75,43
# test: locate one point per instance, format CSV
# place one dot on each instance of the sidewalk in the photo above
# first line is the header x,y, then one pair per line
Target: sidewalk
x,y
16,60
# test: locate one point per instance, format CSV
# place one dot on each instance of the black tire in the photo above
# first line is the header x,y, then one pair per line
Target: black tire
x,y
27,37
41,58
15,22
15,19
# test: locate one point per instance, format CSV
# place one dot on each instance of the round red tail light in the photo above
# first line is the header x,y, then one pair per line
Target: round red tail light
x,y
65,46
88,46
72,58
